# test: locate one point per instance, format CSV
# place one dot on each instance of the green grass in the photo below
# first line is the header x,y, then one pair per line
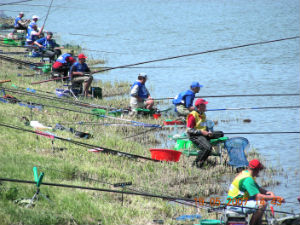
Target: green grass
x,y
20,151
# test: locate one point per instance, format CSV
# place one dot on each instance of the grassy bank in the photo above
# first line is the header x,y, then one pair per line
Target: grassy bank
x,y
71,164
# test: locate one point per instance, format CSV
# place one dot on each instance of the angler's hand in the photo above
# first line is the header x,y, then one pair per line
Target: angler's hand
x,y
270,193
205,133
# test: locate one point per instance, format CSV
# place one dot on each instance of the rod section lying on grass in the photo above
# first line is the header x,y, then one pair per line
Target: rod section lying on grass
x,y
170,198
104,150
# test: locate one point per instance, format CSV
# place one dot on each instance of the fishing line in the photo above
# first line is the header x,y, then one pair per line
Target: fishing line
x,y
170,198
233,96
104,150
13,3
197,53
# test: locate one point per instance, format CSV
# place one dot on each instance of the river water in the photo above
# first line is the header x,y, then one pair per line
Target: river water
x,y
125,32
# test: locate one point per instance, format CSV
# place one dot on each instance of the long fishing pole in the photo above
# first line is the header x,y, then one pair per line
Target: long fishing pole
x,y
170,198
265,132
233,96
12,3
21,62
103,150
31,92
249,108
47,13
197,53
185,55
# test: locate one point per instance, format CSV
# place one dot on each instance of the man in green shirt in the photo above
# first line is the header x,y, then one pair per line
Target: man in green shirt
x,y
252,196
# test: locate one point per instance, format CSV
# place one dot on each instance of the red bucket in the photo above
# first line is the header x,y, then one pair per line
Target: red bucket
x,y
165,154
156,115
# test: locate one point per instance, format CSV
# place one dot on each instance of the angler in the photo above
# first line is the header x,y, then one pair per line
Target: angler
x,y
78,74
47,47
62,65
139,95
198,132
244,186
184,101
19,23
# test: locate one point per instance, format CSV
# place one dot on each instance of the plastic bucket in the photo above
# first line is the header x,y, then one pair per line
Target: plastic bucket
x,y
156,115
180,144
165,154
46,68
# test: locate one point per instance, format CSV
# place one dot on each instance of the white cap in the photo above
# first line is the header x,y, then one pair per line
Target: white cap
x,y
35,17
144,75
21,13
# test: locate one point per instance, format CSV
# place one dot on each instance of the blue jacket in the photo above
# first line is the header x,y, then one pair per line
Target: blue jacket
x,y
142,93
185,98
63,58
16,24
47,43
78,67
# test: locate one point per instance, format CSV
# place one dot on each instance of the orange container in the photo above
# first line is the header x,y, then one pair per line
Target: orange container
x,y
165,154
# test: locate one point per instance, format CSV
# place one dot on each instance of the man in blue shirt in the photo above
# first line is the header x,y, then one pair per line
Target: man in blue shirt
x,y
184,101
78,74
139,94
19,23
48,47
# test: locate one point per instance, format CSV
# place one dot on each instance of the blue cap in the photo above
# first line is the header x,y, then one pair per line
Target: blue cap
x,y
196,84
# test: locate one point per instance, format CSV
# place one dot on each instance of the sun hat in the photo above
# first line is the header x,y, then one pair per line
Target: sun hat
x,y
35,17
196,84
255,164
200,101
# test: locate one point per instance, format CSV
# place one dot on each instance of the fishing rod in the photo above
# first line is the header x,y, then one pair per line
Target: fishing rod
x,y
266,132
198,53
101,149
32,92
170,198
21,62
133,123
12,3
13,53
47,13
264,107
233,96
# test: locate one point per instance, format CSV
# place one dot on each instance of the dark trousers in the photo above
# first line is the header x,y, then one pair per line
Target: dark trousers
x,y
202,142
52,54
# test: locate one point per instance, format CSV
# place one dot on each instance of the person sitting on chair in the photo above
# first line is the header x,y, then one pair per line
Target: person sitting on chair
x,y
78,74
198,132
184,101
19,23
139,95
63,64
33,34
245,187
48,47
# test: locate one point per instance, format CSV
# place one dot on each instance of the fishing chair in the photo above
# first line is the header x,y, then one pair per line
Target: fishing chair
x,y
236,150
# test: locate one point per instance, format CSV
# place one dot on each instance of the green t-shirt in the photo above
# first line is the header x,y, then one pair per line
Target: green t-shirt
x,y
248,184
